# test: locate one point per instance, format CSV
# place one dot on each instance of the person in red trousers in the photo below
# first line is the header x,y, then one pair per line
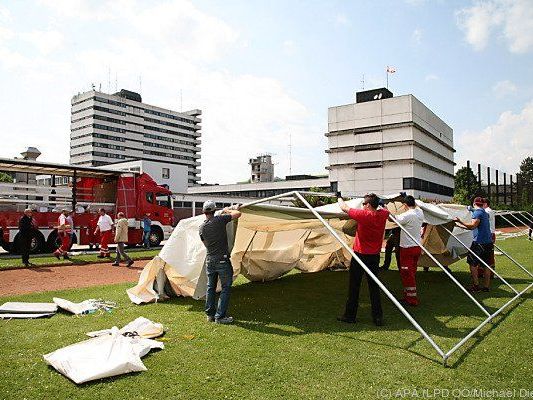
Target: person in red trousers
x,y
105,227
410,251
64,231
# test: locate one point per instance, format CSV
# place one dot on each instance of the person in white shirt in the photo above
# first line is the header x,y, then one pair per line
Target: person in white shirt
x,y
64,231
104,226
412,220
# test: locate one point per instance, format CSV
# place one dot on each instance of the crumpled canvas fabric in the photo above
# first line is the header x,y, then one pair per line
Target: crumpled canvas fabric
x,y
143,327
102,356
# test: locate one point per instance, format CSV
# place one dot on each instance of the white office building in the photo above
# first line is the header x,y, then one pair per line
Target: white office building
x,y
114,128
387,144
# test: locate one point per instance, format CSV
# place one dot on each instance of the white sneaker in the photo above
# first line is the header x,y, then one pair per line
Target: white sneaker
x,y
209,318
225,320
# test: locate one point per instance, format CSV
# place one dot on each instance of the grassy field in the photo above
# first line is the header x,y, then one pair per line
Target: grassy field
x,y
287,344
11,263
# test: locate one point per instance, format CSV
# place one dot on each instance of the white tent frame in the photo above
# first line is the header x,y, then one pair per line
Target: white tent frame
x,y
425,335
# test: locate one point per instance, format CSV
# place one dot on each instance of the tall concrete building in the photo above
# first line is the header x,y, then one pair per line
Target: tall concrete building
x,y
113,128
262,168
387,144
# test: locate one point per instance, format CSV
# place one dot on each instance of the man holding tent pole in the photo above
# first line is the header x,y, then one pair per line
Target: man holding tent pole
x,y
412,220
367,246
481,246
217,262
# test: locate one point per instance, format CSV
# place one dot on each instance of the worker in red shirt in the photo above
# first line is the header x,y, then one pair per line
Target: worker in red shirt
x,y
104,226
64,231
367,246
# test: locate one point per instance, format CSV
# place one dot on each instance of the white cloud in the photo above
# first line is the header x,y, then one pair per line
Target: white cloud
x,y
502,145
416,36
341,20
504,88
45,41
173,46
512,19
431,77
289,47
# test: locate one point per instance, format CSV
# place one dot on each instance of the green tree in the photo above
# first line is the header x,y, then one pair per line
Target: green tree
x,y
524,182
315,201
466,186
6,177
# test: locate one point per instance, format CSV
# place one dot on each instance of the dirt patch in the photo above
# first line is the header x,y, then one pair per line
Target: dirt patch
x,y
43,279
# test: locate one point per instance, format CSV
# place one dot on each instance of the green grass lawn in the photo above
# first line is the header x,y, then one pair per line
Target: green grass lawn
x,y
286,342
9,263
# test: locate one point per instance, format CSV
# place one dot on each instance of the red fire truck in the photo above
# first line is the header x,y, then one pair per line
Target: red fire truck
x,y
49,188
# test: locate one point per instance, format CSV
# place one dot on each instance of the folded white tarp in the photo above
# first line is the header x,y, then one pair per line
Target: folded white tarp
x,y
15,309
143,327
85,307
102,356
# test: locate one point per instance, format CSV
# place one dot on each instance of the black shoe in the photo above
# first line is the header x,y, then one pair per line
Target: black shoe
x,y
115,264
65,257
344,318
378,321
57,256
27,265
129,264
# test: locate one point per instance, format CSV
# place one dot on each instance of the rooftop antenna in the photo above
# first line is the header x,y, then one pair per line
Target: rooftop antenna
x,y
108,79
290,153
116,81
100,87
181,99
363,83
140,84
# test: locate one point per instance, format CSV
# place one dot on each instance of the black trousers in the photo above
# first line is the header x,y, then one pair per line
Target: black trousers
x,y
25,245
356,276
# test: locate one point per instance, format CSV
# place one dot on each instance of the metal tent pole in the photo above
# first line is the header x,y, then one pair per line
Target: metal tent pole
x,y
512,214
513,260
479,258
520,219
441,266
485,322
525,217
519,233
288,194
373,277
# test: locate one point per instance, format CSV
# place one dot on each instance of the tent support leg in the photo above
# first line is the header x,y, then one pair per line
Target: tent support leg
x,y
519,233
249,244
514,261
486,321
371,275
441,266
479,258
523,215
520,219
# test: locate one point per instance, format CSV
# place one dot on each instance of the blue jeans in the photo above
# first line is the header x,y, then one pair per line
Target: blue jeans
x,y
146,239
216,269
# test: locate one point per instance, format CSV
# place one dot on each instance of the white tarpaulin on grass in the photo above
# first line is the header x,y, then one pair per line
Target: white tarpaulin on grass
x,y
268,241
109,354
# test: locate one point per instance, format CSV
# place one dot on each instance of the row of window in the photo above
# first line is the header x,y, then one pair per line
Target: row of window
x,y
198,204
164,146
165,139
108,101
109,146
158,121
168,155
426,186
100,154
100,136
153,128
109,128
80,127
169,116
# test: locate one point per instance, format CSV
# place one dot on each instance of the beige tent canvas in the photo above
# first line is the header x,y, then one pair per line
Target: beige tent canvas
x,y
268,241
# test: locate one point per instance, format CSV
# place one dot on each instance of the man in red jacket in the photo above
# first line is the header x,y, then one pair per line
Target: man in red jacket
x,y
367,246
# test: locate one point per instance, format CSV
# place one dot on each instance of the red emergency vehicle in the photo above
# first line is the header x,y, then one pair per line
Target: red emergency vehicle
x,y
48,188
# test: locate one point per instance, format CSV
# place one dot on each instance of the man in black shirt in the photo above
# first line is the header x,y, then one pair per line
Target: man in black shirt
x,y
218,266
26,231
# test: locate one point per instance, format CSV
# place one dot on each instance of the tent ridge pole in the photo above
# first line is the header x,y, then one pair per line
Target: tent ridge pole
x,y
442,267
251,203
483,262
372,276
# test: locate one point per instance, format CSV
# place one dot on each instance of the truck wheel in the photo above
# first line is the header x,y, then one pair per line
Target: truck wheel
x,y
53,242
156,236
37,244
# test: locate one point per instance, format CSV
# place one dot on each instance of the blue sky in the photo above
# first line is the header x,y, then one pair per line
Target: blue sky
x,y
262,70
